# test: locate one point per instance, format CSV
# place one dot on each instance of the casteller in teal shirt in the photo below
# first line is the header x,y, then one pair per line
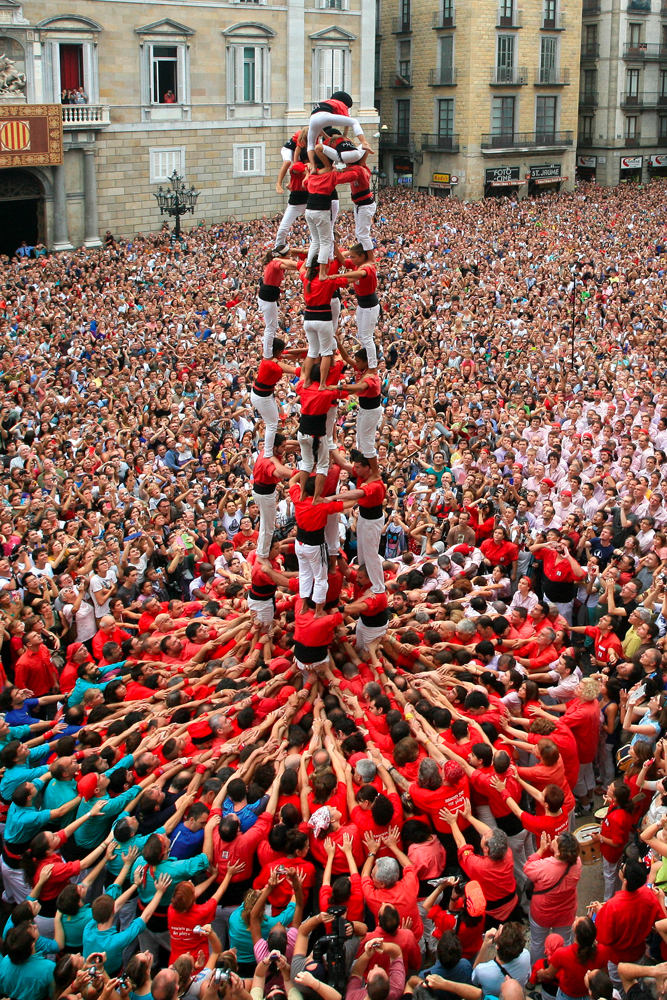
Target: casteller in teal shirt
x,y
30,981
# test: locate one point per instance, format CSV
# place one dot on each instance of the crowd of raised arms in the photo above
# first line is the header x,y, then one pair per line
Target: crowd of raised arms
x,y
332,592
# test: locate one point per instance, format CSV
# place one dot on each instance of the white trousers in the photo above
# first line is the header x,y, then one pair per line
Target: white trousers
x,y
612,881
308,456
585,781
347,156
363,218
331,426
269,311
324,119
366,323
366,634
518,843
320,336
16,885
312,668
368,422
292,213
332,534
369,533
321,235
313,571
565,609
335,312
267,408
264,610
335,209
267,521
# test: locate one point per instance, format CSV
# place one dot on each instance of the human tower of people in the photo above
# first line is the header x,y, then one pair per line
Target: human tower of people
x,y
310,157
307,676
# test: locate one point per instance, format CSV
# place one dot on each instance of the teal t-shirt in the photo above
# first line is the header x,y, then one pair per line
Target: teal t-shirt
x,y
115,863
240,936
32,768
177,869
57,794
112,941
30,981
94,831
24,822
21,733
73,926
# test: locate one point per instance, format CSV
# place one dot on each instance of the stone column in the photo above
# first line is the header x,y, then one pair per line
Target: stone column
x,y
367,59
60,229
91,237
296,40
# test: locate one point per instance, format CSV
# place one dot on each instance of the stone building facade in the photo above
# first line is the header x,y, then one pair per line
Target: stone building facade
x,y
623,92
478,97
209,88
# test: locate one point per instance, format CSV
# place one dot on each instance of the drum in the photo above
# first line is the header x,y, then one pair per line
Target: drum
x,y
601,813
589,849
624,757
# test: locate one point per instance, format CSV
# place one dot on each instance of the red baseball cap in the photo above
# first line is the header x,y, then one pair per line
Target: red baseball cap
x,y
86,786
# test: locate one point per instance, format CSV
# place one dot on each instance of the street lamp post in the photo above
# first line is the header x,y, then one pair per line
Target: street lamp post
x,y
177,201
378,178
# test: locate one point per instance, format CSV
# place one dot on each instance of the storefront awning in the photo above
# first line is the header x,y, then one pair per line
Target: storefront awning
x,y
549,180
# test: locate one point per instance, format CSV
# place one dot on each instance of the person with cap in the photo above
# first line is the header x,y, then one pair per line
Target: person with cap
x,y
334,112
94,791
464,913
327,824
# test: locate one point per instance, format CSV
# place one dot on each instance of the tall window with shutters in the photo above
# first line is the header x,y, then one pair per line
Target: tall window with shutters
x,y
548,58
249,72
331,72
249,67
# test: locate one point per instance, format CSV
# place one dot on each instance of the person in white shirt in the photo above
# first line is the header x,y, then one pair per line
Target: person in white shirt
x,y
102,586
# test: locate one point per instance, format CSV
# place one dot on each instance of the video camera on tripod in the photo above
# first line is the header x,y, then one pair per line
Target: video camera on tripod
x,y
330,950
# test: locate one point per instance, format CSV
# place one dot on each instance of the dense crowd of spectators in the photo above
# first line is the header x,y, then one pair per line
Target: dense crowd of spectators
x,y
190,811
